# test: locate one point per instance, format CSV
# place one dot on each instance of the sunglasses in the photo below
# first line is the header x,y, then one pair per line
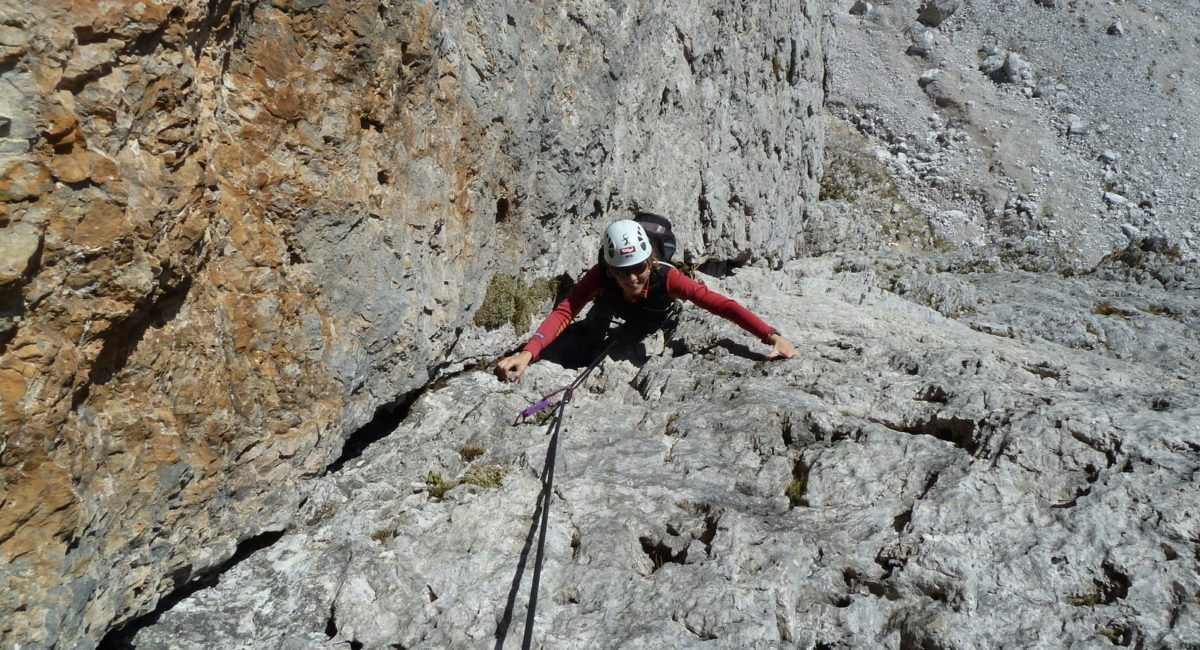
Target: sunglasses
x,y
636,269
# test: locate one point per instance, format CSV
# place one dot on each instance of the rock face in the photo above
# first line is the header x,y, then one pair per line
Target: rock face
x,y
958,458
1007,124
231,231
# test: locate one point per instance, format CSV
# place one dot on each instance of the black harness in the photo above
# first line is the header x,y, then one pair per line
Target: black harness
x,y
649,310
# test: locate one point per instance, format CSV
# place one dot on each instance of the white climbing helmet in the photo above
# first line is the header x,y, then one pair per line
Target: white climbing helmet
x,y
625,243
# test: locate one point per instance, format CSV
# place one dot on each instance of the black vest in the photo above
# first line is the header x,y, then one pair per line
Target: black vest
x,y
650,310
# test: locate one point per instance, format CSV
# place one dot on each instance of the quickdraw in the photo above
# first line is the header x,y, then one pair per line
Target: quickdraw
x,y
567,391
532,409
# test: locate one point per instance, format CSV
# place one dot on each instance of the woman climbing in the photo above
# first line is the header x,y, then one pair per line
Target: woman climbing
x,y
631,283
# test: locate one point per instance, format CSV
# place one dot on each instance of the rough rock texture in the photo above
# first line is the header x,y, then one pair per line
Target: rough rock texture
x,y
1032,127
230,231
969,459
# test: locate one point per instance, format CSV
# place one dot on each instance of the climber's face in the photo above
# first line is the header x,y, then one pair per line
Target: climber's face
x,y
631,279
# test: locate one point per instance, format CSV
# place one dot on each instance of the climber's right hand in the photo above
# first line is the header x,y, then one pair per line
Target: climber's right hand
x,y
511,368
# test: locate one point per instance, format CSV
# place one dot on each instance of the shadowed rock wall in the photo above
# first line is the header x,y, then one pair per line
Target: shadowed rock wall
x,y
229,231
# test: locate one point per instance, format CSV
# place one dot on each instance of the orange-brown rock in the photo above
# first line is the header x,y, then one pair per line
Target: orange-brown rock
x,y
22,180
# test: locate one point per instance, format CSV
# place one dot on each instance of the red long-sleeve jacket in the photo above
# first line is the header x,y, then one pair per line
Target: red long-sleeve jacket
x,y
678,286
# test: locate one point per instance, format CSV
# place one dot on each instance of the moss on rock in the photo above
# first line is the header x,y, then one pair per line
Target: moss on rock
x,y
509,300
498,303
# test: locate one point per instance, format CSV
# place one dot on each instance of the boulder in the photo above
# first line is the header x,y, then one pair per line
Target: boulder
x,y
934,12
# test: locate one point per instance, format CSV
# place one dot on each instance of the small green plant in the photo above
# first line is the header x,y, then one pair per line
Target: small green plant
x,y
798,486
487,476
470,452
891,281
437,486
795,492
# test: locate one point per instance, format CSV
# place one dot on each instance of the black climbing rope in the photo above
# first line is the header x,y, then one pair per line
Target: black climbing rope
x,y
543,507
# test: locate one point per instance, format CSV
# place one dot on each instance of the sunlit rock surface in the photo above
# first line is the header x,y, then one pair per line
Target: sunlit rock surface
x,y
233,233
911,479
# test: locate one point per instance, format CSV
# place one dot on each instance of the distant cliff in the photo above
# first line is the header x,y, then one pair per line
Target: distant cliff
x,y
230,231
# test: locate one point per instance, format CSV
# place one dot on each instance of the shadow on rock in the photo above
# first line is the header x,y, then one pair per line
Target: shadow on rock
x,y
537,527
577,346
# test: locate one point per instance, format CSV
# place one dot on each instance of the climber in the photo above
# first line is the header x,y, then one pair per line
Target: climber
x,y
630,282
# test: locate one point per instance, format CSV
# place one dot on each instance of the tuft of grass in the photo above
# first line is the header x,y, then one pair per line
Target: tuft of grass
x,y
795,492
798,487
1106,308
1116,634
470,452
486,476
